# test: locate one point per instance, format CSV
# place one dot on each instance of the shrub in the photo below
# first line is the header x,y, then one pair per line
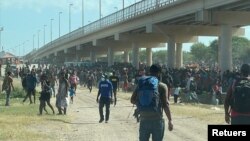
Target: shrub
x,y
17,93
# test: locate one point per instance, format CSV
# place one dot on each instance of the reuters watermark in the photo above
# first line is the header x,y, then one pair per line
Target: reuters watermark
x,y
228,131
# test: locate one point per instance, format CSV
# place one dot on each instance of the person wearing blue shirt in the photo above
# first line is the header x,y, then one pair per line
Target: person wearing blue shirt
x,y
106,97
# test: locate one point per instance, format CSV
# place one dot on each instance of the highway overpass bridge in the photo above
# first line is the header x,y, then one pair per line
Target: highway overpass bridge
x,y
150,24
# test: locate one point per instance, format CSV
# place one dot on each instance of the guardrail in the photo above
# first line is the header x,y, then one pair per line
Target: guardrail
x,y
133,11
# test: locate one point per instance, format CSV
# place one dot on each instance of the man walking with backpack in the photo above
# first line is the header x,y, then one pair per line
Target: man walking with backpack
x,y
237,101
151,99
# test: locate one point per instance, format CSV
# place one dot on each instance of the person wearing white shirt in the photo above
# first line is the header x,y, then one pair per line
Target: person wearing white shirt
x,y
177,93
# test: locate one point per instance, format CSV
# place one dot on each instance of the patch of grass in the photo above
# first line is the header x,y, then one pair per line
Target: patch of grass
x,y
20,122
15,128
208,113
18,90
205,112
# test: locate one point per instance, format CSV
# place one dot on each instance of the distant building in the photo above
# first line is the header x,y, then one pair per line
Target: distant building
x,y
8,57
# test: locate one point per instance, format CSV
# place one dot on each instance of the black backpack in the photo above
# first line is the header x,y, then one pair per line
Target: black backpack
x,y
240,100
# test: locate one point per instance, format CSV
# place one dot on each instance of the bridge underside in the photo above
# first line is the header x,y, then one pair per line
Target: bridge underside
x,y
164,27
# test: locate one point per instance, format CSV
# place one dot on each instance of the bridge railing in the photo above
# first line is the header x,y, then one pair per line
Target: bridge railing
x,y
133,11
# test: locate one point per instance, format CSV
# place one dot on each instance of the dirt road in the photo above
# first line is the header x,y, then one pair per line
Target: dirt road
x,y
122,126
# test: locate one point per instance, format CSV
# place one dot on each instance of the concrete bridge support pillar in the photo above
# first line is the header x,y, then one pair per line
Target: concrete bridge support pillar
x,y
66,59
110,57
149,56
171,52
55,58
93,56
135,55
219,52
226,48
179,55
126,56
77,58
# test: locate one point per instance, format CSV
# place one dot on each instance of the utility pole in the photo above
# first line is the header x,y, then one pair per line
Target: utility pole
x,y
1,29
44,34
38,38
70,17
34,41
51,30
59,24
82,13
122,9
100,9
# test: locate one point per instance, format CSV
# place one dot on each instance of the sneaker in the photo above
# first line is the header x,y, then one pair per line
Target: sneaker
x,y
106,121
101,120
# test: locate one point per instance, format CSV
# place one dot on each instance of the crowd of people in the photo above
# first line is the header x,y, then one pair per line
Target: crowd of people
x,y
190,81
123,76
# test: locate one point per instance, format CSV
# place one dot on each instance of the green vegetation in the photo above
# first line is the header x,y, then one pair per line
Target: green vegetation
x,y
20,122
207,113
200,52
17,93
204,112
209,54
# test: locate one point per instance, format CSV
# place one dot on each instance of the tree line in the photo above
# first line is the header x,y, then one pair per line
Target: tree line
x,y
200,53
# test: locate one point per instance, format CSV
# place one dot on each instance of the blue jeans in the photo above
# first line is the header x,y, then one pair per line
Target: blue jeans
x,y
154,127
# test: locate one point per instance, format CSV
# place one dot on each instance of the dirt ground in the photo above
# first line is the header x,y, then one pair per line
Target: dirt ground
x,y
122,126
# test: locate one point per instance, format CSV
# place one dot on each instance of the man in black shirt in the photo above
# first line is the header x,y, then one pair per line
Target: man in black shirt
x,y
115,82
